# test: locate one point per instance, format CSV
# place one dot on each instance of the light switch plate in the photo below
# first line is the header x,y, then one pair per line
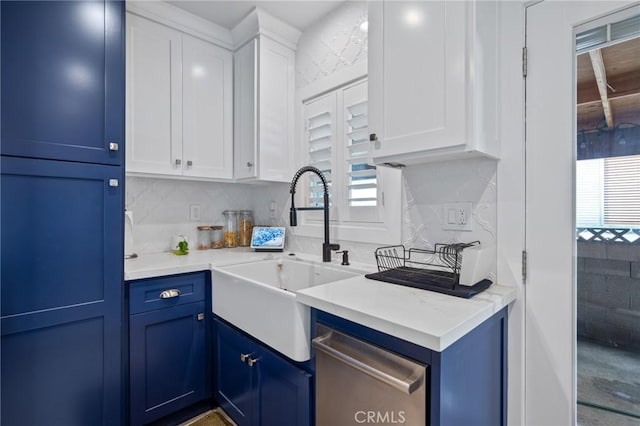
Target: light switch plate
x,y
194,212
457,216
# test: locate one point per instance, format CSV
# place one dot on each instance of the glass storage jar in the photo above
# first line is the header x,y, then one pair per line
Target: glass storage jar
x,y
245,224
217,241
204,237
230,234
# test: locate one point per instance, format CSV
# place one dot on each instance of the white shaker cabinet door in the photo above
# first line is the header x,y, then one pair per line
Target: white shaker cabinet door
x,y
207,104
264,101
428,83
245,111
154,93
277,87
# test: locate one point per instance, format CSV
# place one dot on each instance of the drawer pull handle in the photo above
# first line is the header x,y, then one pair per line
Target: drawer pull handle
x,y
253,361
170,294
243,357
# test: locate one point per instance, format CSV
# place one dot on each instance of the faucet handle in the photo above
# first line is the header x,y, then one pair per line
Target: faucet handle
x,y
334,246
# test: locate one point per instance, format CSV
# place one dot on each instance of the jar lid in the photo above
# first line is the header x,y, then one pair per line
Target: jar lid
x,y
204,228
246,211
217,227
230,212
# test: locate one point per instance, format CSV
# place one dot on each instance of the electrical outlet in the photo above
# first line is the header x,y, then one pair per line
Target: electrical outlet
x,y
273,210
194,212
457,216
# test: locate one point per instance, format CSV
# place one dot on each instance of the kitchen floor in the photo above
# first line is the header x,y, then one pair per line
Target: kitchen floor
x,y
608,377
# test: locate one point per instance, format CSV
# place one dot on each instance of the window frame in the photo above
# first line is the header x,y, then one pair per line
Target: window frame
x,y
387,229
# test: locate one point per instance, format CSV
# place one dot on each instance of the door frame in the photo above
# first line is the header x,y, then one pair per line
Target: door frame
x,y
549,339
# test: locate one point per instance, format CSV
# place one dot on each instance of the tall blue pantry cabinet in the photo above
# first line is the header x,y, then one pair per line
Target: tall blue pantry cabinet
x,y
61,206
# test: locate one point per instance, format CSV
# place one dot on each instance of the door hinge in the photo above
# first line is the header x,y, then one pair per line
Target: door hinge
x,y
524,62
524,266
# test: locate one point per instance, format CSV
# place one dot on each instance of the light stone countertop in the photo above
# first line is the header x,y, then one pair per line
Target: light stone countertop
x,y
426,318
160,264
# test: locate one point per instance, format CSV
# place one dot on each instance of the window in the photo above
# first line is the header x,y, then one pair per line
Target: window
x,y
608,192
336,141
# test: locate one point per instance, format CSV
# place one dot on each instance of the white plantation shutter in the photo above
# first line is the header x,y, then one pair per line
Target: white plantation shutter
x,y
336,141
622,191
320,134
360,181
589,192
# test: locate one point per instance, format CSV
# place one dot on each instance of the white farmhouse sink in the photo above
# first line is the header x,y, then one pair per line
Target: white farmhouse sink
x,y
260,299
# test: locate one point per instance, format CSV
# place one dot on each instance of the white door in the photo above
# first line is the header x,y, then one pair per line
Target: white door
x,y
550,225
207,105
154,94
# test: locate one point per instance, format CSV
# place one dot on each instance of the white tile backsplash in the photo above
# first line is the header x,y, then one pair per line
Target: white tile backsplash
x,y
332,44
161,207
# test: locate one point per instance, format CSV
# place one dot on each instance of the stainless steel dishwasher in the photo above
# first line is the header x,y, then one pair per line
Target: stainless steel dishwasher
x,y
358,383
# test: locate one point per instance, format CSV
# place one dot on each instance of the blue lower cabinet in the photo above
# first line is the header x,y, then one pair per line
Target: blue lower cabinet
x,y
61,293
169,362
255,385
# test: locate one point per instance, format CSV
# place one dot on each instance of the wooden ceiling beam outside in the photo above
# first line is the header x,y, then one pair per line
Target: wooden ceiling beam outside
x,y
601,80
622,85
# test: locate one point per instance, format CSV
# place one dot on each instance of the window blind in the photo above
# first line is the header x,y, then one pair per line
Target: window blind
x,y
589,192
361,178
622,191
320,134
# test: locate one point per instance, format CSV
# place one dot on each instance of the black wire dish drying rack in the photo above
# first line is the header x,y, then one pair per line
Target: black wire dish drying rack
x,y
435,270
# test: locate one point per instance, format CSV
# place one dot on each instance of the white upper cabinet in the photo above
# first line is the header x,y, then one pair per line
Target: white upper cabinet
x,y
432,80
154,133
207,109
179,102
264,86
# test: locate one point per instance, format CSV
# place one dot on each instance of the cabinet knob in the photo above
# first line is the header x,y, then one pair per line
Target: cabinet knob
x,y
243,357
189,163
253,361
201,316
170,294
178,161
113,182
249,164
113,146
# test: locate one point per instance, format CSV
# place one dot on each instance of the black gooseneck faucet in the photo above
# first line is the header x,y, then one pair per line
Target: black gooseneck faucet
x,y
293,217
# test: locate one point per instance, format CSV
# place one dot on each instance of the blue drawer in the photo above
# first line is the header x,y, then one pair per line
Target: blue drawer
x,y
159,293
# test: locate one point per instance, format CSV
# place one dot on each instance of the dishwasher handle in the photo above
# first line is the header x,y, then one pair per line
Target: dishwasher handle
x,y
406,385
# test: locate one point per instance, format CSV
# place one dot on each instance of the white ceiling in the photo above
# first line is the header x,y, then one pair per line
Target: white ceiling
x,y
298,13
